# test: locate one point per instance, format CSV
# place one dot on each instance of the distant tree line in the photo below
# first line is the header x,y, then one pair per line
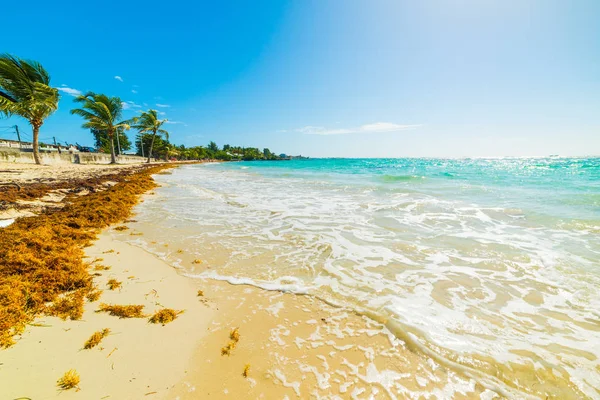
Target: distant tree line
x,y
164,149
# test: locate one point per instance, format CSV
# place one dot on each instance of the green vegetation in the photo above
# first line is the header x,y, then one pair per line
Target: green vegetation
x,y
25,91
148,123
102,113
166,150
102,141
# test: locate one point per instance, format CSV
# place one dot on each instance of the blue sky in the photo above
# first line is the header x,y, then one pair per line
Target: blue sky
x,y
370,78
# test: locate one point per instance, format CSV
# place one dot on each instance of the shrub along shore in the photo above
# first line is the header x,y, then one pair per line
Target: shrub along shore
x,y
43,271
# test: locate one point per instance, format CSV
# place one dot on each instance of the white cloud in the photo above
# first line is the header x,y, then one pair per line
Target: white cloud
x,y
70,91
128,105
162,105
133,91
161,113
117,77
176,123
376,127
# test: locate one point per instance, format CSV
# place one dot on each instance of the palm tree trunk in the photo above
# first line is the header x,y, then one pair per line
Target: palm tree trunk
x,y
36,150
151,145
113,159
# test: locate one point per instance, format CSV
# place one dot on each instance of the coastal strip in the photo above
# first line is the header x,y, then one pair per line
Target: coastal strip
x,y
225,340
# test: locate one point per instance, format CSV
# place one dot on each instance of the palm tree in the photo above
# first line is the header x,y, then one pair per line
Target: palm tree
x,y
102,113
148,122
25,91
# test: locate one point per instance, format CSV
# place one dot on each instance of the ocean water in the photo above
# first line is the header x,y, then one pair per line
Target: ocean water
x,y
490,267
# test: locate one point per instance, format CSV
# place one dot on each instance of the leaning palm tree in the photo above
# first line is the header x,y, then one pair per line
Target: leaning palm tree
x,y
148,122
25,91
102,113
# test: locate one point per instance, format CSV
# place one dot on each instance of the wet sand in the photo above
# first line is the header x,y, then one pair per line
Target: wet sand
x,y
293,345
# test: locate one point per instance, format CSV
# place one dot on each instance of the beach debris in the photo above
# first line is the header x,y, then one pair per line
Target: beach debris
x,y
234,335
110,354
152,292
93,295
113,284
226,351
121,228
200,293
42,257
164,316
96,338
136,234
179,251
69,380
68,306
97,259
108,251
101,267
197,261
246,371
128,311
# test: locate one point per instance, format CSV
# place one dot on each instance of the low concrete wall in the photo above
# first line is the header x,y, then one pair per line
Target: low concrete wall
x,y
102,158
26,157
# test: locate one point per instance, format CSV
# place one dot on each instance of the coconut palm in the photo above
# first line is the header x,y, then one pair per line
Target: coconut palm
x,y
102,113
148,122
25,91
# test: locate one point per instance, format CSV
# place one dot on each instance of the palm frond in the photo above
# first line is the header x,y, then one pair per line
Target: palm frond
x,y
25,89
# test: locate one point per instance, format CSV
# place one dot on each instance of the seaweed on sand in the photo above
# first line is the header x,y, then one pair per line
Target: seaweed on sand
x,y
69,380
42,256
234,337
164,316
68,306
93,295
128,311
114,284
96,338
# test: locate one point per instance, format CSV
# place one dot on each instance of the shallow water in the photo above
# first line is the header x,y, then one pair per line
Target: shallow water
x,y
488,266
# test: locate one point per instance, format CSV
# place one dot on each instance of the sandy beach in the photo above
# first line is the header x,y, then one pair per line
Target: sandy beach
x,y
289,346
280,336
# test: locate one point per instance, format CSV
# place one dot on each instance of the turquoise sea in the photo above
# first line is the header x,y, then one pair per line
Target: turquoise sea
x,y
490,267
